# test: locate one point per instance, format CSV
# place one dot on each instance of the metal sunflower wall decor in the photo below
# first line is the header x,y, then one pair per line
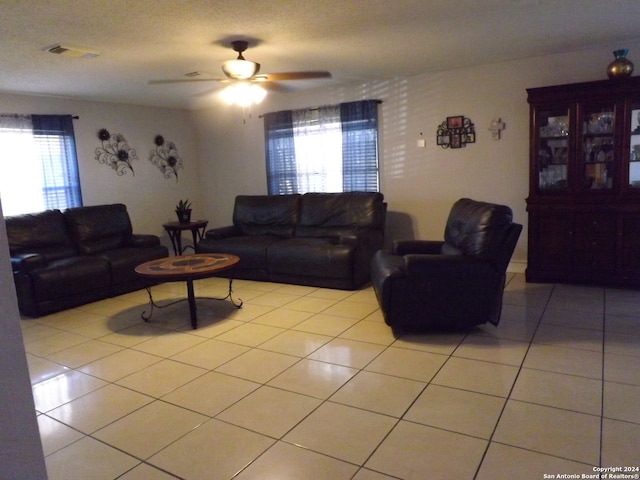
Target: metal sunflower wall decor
x,y
165,157
115,152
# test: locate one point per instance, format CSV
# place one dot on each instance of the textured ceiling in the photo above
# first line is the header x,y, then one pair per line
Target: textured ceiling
x,y
356,40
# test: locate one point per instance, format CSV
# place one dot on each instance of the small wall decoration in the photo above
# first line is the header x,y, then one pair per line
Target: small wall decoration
x,y
455,132
115,152
496,126
165,157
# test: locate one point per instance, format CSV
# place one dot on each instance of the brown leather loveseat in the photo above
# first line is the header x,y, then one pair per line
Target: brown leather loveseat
x,y
64,259
317,239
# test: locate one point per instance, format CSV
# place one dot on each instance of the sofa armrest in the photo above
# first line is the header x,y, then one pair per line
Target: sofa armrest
x,y
25,262
366,239
143,240
353,238
223,232
406,247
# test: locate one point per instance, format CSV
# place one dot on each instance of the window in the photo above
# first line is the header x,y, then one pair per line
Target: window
x,y
326,149
39,164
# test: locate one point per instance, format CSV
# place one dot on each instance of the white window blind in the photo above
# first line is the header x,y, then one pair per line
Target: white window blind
x,y
326,149
39,163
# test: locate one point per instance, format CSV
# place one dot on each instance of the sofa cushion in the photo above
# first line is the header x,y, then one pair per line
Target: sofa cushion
x,y
44,233
99,228
124,260
252,249
330,214
311,257
266,214
70,276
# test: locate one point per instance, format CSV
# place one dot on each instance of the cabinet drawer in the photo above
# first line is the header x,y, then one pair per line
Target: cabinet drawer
x,y
553,225
595,252
596,243
589,223
594,264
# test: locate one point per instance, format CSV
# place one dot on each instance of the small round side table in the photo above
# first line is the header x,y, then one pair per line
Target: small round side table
x,y
175,229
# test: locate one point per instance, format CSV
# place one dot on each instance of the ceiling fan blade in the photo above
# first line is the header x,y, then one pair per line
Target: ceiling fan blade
x,y
281,76
275,87
207,92
186,80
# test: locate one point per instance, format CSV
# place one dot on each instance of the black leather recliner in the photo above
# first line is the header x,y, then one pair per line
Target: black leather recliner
x,y
452,284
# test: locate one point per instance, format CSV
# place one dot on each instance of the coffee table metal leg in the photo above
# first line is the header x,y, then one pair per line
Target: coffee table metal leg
x,y
229,296
233,302
144,314
192,304
191,298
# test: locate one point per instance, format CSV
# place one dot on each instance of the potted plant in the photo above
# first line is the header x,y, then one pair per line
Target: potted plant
x,y
183,210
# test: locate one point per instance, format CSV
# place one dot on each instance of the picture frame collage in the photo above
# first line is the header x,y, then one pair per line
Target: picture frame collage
x,y
455,132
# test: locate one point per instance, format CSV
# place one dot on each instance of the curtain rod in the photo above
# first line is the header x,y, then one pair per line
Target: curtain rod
x,y
75,117
314,109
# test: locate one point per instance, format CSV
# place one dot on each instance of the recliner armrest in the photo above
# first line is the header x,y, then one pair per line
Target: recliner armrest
x,y
26,262
406,247
439,266
144,240
223,232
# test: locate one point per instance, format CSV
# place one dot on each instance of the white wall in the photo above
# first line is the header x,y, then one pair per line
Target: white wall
x,y
20,448
419,184
150,198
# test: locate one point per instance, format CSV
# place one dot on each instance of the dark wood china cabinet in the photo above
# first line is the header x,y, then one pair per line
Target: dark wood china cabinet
x,y
584,187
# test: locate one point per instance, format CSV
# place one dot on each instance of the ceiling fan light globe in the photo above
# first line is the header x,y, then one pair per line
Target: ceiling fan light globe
x,y
240,69
243,94
258,93
228,95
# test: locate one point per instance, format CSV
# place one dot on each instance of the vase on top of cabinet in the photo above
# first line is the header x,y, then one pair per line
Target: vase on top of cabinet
x,y
584,188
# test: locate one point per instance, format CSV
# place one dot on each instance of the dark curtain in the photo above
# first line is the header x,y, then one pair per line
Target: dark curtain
x,y
56,145
280,153
359,145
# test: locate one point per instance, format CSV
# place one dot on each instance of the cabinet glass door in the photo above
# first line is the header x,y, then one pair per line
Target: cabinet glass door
x,y
552,150
634,148
598,147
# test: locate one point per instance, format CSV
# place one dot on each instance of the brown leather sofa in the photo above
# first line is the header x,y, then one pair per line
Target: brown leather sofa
x,y
64,259
317,239
451,284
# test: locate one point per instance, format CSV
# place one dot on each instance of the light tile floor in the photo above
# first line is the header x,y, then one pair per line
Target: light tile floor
x,y
307,383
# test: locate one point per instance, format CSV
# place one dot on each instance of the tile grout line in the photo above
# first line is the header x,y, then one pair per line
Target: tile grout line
x,y
604,333
515,380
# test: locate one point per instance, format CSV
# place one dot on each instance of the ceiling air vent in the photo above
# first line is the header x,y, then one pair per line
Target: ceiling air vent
x,y
68,51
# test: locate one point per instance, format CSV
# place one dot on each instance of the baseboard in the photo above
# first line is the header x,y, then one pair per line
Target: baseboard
x,y
517,267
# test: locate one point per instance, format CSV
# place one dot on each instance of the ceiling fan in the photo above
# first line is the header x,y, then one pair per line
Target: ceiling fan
x,y
243,72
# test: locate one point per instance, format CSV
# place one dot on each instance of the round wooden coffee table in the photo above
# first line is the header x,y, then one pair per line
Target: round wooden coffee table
x,y
187,268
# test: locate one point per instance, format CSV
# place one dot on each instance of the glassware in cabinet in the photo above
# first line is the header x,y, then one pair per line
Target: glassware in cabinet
x,y
552,149
634,148
598,147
